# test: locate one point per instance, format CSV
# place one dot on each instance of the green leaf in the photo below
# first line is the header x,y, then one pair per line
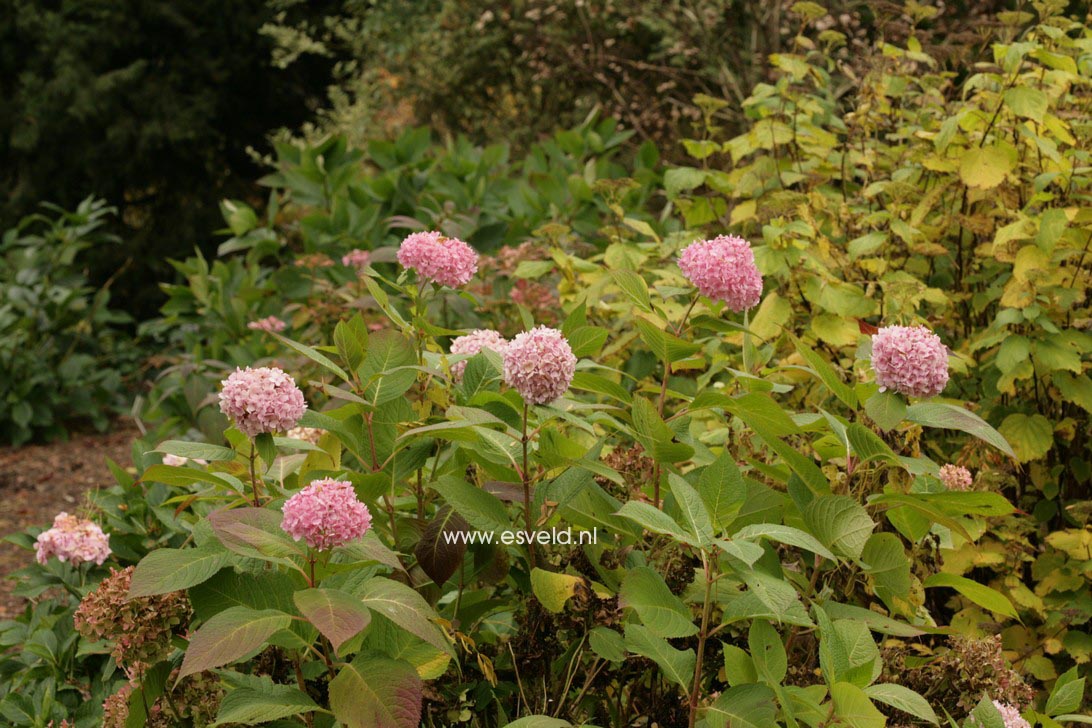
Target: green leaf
x,y
387,369
826,374
903,699
168,570
853,708
314,355
634,287
375,692
1067,695
767,652
607,643
351,340
676,665
950,417
338,615
681,179
739,668
694,516
267,449
645,591
762,413
985,715
655,520
406,608
250,706
839,522
196,450
253,532
231,635
786,535
884,560
743,706
886,409
722,490
539,721
980,594
1028,102
553,589
657,438
480,508
1031,436
440,550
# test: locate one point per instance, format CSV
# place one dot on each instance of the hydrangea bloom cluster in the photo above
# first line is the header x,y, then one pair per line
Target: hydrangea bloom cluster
x,y
910,360
1011,715
474,342
262,400
539,364
956,477
724,269
435,257
357,259
269,323
196,698
140,629
178,461
326,514
73,540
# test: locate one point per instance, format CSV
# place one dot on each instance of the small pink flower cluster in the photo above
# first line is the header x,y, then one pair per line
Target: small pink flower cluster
x,y
74,540
473,343
910,360
724,269
269,323
955,477
539,364
444,260
357,259
1011,715
262,400
326,514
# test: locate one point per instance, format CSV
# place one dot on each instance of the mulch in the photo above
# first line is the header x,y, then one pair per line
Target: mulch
x,y
38,481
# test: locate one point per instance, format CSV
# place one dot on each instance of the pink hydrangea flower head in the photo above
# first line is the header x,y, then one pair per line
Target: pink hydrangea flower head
x,y
326,514
474,342
724,269
539,364
262,400
435,257
269,323
357,258
955,477
910,360
1011,715
74,540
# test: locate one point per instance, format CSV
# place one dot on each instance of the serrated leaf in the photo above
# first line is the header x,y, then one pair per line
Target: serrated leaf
x,y
853,708
784,534
767,652
676,666
950,417
743,706
196,450
338,615
645,591
406,608
375,692
903,699
231,635
839,522
440,550
168,570
250,706
980,594
553,589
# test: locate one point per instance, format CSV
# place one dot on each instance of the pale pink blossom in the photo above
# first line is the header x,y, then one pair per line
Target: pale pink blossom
x,y
357,258
178,461
269,323
73,540
473,343
262,400
539,364
326,514
724,269
955,477
307,434
910,360
1011,715
435,257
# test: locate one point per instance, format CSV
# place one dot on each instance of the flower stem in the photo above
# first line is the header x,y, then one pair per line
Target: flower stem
x,y
703,635
253,475
526,477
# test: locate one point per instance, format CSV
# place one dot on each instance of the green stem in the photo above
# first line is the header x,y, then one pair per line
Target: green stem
x,y
253,475
526,477
703,635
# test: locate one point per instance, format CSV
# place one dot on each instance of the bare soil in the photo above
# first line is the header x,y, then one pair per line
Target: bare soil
x,y
38,481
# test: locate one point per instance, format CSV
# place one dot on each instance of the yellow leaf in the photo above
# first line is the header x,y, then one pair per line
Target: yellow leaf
x,y
986,167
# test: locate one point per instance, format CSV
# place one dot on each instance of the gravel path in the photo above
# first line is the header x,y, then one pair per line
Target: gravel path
x,y
37,481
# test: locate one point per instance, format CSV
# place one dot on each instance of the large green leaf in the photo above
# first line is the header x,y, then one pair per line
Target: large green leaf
x,y
884,560
951,417
839,522
980,594
168,570
376,692
338,615
406,608
722,490
826,374
1031,436
903,699
200,450
251,706
480,508
645,591
784,534
231,635
767,652
553,589
691,510
655,520
676,665
743,706
853,708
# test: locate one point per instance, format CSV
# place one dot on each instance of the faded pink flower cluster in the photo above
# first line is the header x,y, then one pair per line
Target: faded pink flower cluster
x,y
910,360
262,400
269,323
357,258
1011,715
539,364
444,260
178,461
955,477
307,434
73,540
724,269
473,343
326,514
